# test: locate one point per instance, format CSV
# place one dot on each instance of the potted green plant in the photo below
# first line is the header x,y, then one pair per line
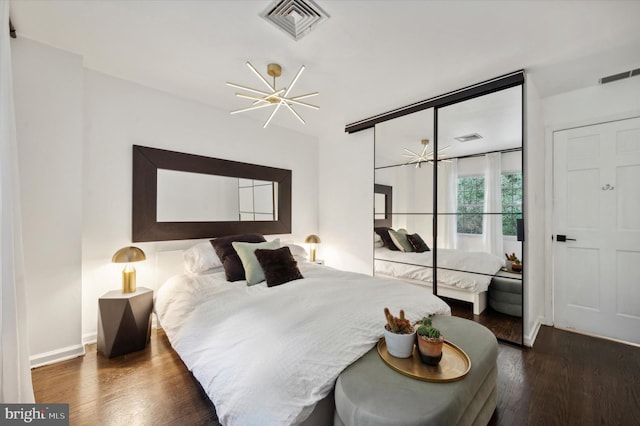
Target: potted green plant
x,y
399,335
513,263
430,342
517,266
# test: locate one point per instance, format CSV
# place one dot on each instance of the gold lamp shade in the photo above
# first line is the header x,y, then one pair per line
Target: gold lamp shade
x,y
313,240
128,255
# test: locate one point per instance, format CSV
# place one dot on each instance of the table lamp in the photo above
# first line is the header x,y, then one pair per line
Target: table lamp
x,y
128,255
313,240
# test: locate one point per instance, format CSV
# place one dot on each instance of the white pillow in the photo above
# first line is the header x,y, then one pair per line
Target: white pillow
x,y
200,258
296,250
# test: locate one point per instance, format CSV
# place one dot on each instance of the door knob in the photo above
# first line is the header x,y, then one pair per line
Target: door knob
x,y
563,238
608,187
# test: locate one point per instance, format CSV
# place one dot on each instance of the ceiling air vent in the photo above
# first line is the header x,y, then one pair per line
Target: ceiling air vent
x,y
468,138
619,76
295,17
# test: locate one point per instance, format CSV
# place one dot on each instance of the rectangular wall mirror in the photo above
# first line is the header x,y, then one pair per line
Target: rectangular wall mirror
x,y
185,196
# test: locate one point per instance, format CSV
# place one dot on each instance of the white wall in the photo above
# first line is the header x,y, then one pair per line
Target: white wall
x,y
48,101
346,201
534,210
75,132
612,101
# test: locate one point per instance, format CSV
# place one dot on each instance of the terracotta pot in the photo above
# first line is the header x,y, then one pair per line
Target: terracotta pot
x,y
399,345
429,346
517,267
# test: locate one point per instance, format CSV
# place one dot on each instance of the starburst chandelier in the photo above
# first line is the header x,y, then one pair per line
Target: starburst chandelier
x,y
424,156
273,97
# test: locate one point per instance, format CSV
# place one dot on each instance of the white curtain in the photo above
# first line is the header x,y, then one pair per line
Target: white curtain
x,y
15,372
492,224
450,172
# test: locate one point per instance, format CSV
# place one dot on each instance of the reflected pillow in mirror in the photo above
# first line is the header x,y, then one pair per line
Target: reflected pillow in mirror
x,y
200,258
417,243
278,265
400,240
233,269
383,231
252,269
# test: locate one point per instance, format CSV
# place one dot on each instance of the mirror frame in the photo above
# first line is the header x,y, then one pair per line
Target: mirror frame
x,y
145,227
387,191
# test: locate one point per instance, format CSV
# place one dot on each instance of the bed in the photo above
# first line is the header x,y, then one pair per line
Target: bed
x,y
271,355
453,279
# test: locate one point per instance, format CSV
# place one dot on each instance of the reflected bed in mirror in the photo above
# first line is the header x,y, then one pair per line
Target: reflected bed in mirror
x,y
180,196
383,200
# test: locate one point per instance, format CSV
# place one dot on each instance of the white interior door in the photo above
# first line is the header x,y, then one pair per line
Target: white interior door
x,y
597,207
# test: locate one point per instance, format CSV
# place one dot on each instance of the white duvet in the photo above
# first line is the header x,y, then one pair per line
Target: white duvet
x,y
266,356
419,266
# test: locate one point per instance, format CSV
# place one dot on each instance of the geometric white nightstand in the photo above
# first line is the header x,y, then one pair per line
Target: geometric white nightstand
x,y
124,321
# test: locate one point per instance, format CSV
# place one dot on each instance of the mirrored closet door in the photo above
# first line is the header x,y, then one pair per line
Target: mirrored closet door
x,y
449,205
479,206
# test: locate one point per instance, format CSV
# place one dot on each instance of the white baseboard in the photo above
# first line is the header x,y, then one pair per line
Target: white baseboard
x,y
75,351
58,355
89,338
530,338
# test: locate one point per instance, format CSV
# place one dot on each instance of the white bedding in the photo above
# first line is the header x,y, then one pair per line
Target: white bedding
x,y
266,356
418,266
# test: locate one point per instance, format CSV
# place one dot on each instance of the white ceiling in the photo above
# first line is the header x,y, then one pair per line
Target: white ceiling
x,y
368,58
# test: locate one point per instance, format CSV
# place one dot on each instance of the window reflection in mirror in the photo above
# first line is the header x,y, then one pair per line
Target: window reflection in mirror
x,y
257,200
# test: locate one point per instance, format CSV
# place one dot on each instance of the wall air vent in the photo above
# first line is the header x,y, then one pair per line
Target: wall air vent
x,y
468,138
619,76
295,17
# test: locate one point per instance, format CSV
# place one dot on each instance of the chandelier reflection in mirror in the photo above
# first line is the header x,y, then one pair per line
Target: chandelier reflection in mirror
x,y
273,97
424,156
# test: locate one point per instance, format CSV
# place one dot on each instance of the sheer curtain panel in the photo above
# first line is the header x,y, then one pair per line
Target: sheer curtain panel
x,y
15,372
492,232
450,171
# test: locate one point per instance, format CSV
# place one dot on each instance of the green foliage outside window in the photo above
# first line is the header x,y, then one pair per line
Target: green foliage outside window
x,y
470,204
511,202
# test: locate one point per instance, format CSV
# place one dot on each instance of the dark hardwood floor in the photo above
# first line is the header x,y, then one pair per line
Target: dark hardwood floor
x,y
505,327
565,379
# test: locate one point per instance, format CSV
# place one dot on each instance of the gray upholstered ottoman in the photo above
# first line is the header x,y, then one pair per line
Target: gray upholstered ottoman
x,y
505,293
368,392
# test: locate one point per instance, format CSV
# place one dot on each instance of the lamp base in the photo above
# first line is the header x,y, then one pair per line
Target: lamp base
x,y
312,255
129,279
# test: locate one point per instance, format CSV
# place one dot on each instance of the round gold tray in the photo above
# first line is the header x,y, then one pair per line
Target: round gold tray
x,y
455,364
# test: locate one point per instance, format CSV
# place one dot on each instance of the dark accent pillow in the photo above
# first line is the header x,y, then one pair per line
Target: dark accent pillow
x,y
278,265
233,269
417,243
383,231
